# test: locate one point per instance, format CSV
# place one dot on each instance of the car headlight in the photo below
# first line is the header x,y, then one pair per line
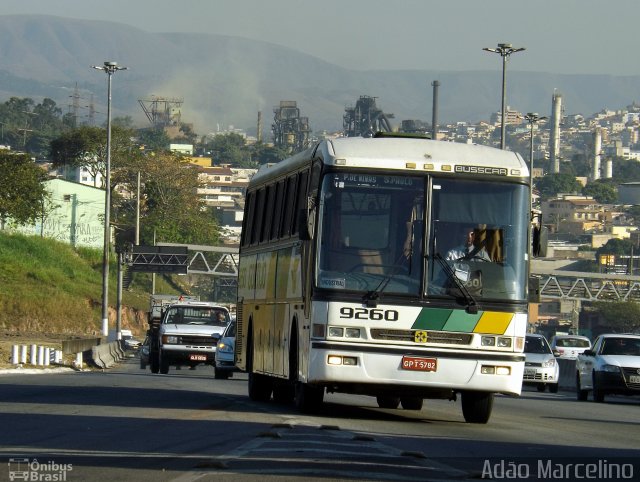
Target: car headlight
x,y
549,363
224,347
610,369
170,339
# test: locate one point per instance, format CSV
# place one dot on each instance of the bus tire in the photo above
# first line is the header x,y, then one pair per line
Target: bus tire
x,y
164,365
385,401
411,403
308,398
155,363
260,387
477,406
283,392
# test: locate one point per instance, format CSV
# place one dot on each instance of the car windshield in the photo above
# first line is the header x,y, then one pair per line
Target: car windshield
x,y
621,346
536,344
231,330
196,315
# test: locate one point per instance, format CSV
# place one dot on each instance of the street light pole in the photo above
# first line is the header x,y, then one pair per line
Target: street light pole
x,y
532,118
505,50
109,68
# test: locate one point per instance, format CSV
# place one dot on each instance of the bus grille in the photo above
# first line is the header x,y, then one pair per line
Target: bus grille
x,y
432,336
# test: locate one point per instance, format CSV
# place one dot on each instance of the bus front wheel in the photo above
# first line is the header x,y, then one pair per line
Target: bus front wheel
x,y
477,406
308,398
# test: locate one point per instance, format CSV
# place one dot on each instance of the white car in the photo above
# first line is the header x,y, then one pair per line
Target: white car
x,y
540,367
225,362
569,346
611,366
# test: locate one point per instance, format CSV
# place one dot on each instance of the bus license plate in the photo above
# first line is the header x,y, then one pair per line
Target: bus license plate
x,y
198,357
419,364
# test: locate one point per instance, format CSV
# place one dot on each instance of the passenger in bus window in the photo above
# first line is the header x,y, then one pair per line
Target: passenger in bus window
x,y
473,247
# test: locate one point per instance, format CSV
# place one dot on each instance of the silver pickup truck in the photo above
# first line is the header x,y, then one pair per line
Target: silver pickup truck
x,y
188,334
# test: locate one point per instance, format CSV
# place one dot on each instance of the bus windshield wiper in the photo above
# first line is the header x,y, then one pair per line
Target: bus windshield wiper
x,y
371,297
472,304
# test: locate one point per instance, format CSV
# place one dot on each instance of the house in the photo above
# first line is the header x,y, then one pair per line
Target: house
x,y
75,215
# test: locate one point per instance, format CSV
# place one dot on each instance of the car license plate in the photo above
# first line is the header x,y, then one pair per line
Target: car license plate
x,y
530,371
419,364
634,379
198,357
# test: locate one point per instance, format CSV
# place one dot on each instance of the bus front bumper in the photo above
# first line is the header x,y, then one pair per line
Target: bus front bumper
x,y
333,364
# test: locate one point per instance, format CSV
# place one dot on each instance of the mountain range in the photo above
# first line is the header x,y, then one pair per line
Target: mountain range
x,y
223,80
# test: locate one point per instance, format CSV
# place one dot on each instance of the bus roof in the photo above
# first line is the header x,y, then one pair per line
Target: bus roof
x,y
412,155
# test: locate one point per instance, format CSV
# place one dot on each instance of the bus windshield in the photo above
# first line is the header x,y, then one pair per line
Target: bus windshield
x,y
364,223
478,236
372,234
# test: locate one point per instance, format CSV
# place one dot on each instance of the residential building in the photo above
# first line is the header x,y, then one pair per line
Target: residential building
x,y
75,215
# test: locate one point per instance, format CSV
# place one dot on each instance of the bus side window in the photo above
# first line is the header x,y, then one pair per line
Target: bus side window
x,y
268,213
301,199
289,211
258,217
248,219
278,211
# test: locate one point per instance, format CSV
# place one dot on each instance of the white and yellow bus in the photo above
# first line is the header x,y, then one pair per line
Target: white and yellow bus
x,y
391,266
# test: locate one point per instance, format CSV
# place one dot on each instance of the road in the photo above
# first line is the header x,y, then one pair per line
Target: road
x,y
126,424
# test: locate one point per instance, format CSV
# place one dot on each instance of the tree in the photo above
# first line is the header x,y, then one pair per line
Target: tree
x,y
552,184
154,139
263,154
22,192
602,190
229,149
86,147
171,209
623,317
619,247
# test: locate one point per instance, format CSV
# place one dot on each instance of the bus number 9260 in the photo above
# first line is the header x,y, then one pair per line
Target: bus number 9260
x,y
368,314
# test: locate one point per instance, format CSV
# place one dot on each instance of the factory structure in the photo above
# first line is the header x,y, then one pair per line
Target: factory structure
x,y
290,130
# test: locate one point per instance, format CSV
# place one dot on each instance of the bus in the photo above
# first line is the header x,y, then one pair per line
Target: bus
x,y
347,283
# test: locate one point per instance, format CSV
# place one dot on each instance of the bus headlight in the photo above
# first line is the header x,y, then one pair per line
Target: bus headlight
x,y
504,342
352,333
488,341
336,331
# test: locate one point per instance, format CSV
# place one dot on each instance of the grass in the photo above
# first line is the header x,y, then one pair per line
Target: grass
x,y
50,287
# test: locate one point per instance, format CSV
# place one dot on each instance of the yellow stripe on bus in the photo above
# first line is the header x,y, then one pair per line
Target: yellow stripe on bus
x,y
493,322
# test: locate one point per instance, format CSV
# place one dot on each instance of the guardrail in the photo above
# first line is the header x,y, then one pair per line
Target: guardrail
x,y
102,355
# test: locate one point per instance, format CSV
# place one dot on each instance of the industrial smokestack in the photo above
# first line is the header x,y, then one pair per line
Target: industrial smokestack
x,y
597,148
434,113
554,139
259,134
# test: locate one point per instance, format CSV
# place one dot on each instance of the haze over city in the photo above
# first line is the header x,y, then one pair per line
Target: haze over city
x,y
567,37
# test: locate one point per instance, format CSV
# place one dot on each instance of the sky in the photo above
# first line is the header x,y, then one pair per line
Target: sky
x,y
560,36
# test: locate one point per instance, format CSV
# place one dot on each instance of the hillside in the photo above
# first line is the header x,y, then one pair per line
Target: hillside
x,y
226,80
49,287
